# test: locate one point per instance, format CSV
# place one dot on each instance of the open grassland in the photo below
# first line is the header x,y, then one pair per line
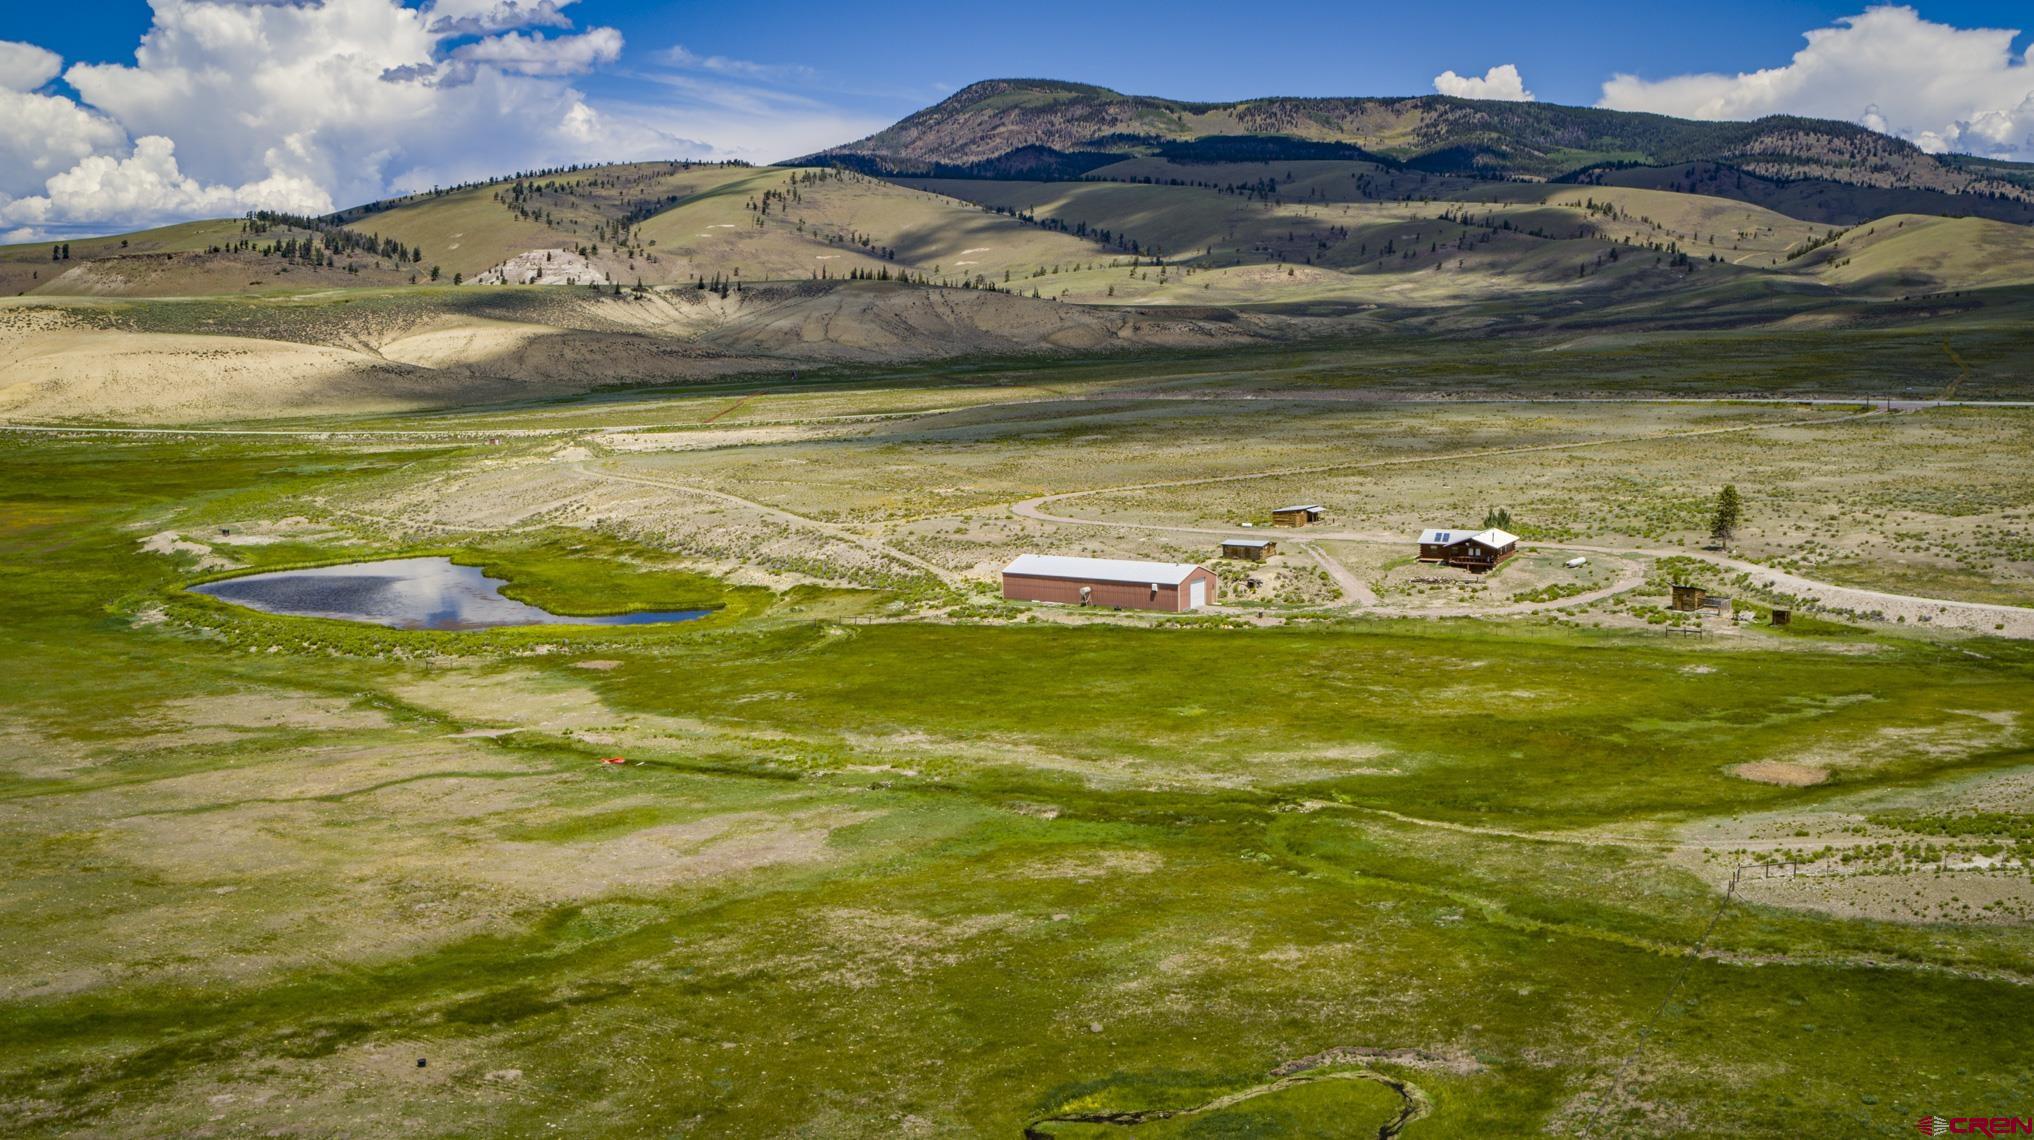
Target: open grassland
x,y
890,856
1926,502
1931,502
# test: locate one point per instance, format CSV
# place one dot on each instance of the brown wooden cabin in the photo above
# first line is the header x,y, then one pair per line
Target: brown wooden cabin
x,y
1304,514
1688,598
1466,549
1174,587
1249,549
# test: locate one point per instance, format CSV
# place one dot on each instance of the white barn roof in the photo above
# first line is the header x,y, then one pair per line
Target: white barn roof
x,y
1493,537
1314,507
1101,569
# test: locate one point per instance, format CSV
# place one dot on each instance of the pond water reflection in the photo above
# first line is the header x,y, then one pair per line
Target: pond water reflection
x,y
406,593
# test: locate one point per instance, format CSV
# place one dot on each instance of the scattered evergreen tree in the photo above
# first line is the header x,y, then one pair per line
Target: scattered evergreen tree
x,y
1729,512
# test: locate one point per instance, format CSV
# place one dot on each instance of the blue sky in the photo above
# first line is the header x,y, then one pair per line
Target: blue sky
x,y
896,55
316,103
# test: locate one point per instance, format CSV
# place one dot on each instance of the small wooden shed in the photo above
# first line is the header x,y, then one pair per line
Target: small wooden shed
x,y
1249,549
1782,617
1302,514
1688,598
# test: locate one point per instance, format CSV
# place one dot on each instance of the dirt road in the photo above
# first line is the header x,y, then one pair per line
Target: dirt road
x,y
843,534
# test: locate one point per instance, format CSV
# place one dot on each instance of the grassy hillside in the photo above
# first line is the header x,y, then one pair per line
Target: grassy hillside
x,y
167,256
828,223
1329,238
598,209
1824,200
1341,242
1913,253
674,223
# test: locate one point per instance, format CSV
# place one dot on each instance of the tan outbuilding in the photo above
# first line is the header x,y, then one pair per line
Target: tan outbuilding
x,y
1118,583
1249,549
1299,514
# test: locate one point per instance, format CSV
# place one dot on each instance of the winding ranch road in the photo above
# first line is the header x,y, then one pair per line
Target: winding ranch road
x,y
1975,617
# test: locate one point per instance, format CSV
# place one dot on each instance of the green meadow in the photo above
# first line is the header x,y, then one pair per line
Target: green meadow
x,y
870,870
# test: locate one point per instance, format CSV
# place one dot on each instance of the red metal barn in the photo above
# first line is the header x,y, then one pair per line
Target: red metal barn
x,y
1173,587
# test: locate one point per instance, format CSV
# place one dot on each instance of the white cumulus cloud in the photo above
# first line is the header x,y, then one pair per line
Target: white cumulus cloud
x,y
1943,87
312,105
148,184
545,55
480,17
1500,82
42,135
305,106
25,67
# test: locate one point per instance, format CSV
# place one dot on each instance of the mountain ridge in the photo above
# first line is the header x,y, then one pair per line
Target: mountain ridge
x,y
1045,129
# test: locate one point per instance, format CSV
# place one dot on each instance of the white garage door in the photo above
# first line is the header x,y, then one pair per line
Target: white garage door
x,y
1197,594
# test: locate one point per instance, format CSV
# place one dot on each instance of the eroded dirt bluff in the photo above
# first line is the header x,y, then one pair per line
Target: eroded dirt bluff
x,y
443,351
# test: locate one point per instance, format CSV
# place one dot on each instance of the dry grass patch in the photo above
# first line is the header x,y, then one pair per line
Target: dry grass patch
x,y
1781,772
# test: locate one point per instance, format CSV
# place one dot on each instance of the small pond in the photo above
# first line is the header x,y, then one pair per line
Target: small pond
x,y
407,593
